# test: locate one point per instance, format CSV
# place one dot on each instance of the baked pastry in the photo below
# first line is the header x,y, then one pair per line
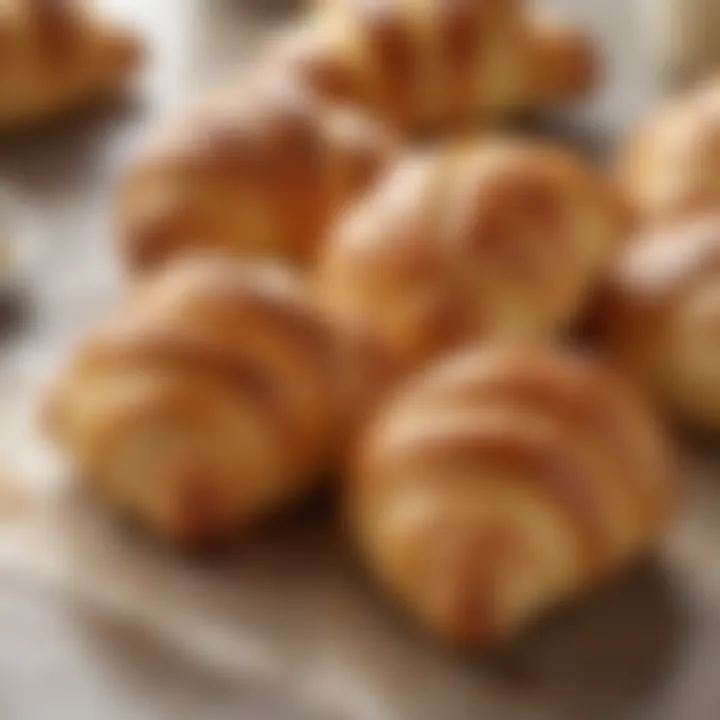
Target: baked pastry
x,y
256,169
429,65
502,482
659,317
213,399
670,166
498,239
56,55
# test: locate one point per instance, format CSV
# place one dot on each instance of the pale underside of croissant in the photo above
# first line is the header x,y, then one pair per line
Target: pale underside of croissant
x,y
213,399
501,483
660,317
57,55
498,239
670,168
432,64
258,169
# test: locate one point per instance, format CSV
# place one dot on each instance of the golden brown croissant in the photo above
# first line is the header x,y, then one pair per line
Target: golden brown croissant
x,y
669,168
502,239
502,482
214,398
428,64
255,170
56,55
660,317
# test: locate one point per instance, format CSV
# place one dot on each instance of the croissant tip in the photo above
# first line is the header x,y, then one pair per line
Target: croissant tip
x,y
130,51
584,64
570,60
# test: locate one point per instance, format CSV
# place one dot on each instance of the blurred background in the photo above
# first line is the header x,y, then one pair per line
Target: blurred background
x,y
92,631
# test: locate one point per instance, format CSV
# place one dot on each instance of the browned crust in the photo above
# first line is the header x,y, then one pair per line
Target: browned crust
x,y
211,340
566,400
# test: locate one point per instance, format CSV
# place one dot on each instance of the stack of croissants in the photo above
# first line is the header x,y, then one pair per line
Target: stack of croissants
x,y
344,267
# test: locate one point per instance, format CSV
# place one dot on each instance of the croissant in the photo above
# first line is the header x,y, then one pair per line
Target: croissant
x,y
56,55
659,317
498,239
500,483
258,169
212,399
669,167
429,65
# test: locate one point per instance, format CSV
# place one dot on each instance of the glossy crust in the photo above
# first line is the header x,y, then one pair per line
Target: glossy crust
x,y
257,169
57,55
436,64
670,166
213,399
503,482
659,317
503,239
